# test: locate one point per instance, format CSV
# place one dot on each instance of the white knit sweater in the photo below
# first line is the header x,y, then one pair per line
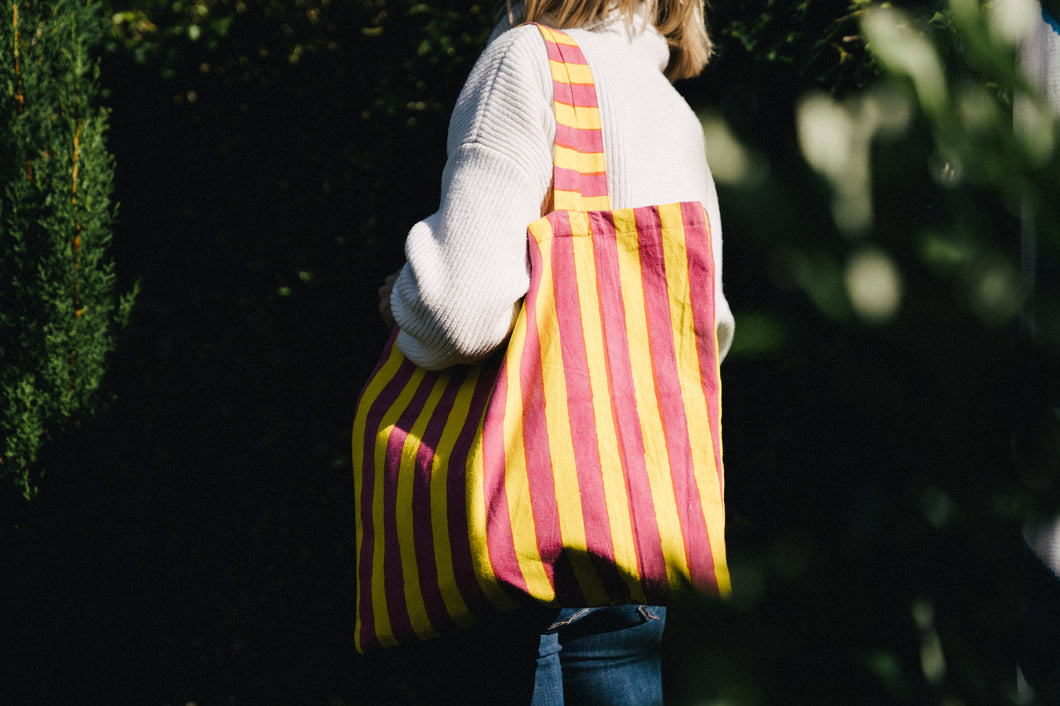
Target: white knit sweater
x,y
467,265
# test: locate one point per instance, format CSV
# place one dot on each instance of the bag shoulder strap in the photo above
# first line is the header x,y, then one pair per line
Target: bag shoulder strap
x,y
579,171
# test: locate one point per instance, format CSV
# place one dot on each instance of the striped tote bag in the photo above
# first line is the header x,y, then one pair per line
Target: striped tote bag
x,y
584,466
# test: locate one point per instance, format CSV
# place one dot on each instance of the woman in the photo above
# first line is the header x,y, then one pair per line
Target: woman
x,y
456,297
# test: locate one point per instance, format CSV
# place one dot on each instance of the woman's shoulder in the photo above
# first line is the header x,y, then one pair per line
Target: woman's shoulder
x,y
510,84
516,50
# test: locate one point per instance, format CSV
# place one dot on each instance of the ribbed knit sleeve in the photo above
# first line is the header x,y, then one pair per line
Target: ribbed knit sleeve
x,y
467,270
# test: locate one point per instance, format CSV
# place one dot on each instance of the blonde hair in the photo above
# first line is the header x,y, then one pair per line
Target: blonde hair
x,y
681,22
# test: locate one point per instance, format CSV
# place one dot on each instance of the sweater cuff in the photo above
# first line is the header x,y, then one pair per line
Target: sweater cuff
x,y
419,354
1043,537
724,325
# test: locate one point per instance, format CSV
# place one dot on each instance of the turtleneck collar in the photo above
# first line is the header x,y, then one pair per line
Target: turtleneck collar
x,y
640,33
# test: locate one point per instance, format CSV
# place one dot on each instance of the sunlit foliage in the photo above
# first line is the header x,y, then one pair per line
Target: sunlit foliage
x,y
58,305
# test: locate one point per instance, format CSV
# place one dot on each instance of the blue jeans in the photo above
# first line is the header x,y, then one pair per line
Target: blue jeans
x,y
571,657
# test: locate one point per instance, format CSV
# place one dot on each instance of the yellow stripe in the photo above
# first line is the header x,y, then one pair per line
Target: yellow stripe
x,y
372,390
406,520
588,117
477,508
584,162
379,607
581,117
578,74
652,429
707,476
476,517
573,201
592,163
596,203
561,442
516,481
454,602
550,34
563,200
541,231
558,37
721,566
615,494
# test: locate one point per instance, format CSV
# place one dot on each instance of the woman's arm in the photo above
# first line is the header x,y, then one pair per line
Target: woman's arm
x,y
466,271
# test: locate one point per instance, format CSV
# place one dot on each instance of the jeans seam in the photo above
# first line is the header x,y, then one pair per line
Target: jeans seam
x,y
560,623
646,613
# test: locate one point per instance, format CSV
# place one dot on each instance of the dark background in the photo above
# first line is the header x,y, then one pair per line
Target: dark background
x,y
194,543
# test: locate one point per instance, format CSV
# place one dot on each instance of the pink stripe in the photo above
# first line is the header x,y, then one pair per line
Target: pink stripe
x,y
580,140
390,392
393,569
701,270
535,430
571,181
579,95
366,549
701,276
499,538
670,400
574,95
426,561
568,54
564,179
624,411
562,91
564,52
562,94
459,539
592,184
581,408
583,95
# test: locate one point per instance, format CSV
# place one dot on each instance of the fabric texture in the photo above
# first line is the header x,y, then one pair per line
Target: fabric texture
x,y
582,468
456,299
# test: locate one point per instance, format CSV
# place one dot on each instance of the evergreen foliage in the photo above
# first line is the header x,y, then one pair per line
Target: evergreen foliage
x,y
58,307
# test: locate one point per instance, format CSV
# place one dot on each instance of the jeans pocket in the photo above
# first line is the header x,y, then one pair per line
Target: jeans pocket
x,y
578,621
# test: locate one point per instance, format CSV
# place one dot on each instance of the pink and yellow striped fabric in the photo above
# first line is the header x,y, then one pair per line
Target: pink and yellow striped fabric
x,y
582,468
